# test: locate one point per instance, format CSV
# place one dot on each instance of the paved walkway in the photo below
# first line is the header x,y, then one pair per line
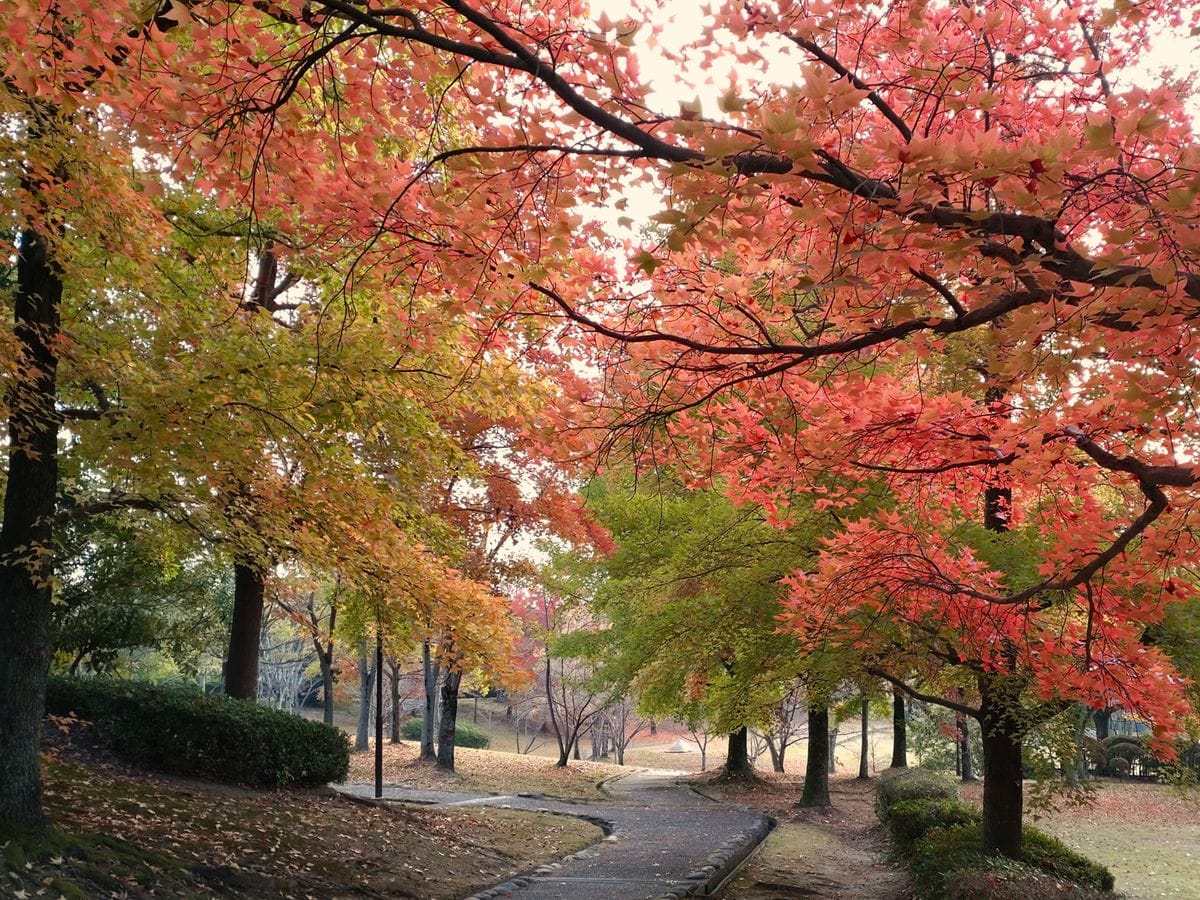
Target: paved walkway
x,y
665,840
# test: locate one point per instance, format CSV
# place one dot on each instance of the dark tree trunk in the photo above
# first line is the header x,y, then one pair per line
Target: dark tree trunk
x,y
816,770
241,660
1103,717
395,690
899,731
737,760
448,723
964,751
864,771
776,752
428,722
1002,786
326,662
26,534
366,678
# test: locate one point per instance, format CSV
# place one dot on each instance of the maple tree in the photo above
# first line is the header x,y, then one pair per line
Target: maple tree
x,y
872,182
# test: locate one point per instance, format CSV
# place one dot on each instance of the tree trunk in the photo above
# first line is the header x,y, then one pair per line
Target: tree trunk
x,y
429,721
899,731
964,740
776,753
241,660
395,690
366,678
448,723
831,766
1003,774
816,771
737,760
863,771
326,685
26,535
1103,717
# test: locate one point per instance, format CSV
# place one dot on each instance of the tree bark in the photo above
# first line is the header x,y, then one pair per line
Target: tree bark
x,y
776,752
737,760
864,771
964,741
395,691
448,723
428,722
366,678
1103,717
326,686
241,659
1002,787
816,771
26,535
831,766
899,730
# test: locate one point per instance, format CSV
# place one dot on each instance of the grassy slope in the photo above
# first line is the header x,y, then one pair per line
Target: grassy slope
x,y
1147,834
129,834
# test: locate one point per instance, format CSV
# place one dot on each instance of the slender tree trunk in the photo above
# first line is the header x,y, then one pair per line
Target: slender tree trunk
x,y
899,730
366,678
241,660
864,771
776,753
429,721
395,690
1002,784
816,770
326,662
964,740
448,723
831,766
737,760
1103,717
26,535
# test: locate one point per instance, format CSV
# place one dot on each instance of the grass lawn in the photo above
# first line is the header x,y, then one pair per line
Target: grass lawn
x,y
126,834
1147,834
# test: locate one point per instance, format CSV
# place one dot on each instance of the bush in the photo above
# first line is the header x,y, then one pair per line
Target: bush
x,y
909,820
175,728
465,734
898,785
941,841
1055,858
937,859
1014,881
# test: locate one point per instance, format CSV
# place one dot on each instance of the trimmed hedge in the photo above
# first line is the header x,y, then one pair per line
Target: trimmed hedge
x,y
176,728
465,734
941,841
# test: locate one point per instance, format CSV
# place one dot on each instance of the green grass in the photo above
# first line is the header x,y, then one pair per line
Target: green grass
x,y
1147,860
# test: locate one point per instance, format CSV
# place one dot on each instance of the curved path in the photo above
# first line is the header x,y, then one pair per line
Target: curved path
x,y
664,841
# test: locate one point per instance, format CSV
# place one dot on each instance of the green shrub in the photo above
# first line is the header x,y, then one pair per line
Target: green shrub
x,y
1055,858
937,859
1014,881
465,734
897,785
176,728
909,820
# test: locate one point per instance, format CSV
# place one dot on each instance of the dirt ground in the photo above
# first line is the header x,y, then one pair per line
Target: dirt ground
x,y
124,833
837,852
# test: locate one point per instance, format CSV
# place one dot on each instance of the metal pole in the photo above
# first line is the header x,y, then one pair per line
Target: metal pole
x,y
378,710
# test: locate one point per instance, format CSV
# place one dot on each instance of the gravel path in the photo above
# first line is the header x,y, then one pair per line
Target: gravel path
x,y
665,840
